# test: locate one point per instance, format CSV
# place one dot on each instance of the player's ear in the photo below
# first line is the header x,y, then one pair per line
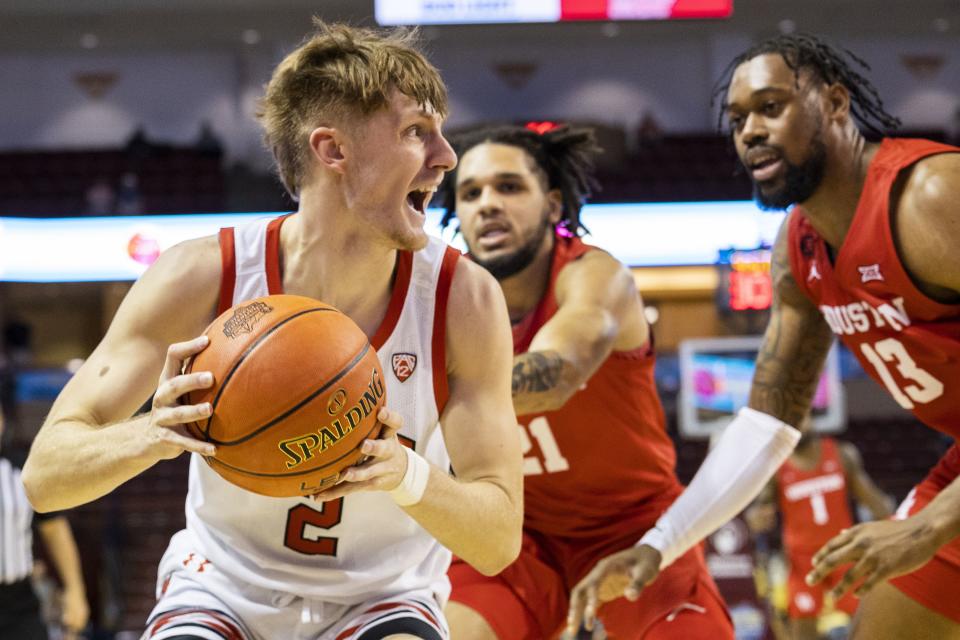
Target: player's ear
x,y
326,149
837,99
555,202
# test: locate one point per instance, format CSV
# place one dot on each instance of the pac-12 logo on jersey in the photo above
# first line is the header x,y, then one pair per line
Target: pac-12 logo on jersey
x,y
403,365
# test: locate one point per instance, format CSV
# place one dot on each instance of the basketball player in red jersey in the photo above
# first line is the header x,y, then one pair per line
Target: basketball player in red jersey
x,y
811,489
870,253
354,119
598,464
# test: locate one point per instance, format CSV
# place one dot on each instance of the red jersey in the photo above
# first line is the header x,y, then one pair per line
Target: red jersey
x,y
905,340
605,455
813,502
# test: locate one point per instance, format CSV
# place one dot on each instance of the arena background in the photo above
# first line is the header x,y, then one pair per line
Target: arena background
x,y
95,91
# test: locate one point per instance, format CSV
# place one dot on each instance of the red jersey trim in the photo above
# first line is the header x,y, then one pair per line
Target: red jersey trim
x,y
642,352
272,256
438,347
795,224
217,622
228,268
901,158
893,157
829,450
400,286
388,606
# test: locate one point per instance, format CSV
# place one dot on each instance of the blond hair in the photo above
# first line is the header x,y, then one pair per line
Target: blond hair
x,y
338,73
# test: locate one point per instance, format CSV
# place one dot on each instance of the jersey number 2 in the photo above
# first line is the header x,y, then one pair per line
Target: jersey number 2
x,y
923,388
329,516
301,516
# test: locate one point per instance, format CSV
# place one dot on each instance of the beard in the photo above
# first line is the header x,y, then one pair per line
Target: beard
x,y
800,181
506,265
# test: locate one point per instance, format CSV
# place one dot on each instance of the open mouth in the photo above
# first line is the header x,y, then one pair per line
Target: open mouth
x,y
492,235
418,199
765,167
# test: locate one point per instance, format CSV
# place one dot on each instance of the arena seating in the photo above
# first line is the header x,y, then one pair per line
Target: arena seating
x,y
678,168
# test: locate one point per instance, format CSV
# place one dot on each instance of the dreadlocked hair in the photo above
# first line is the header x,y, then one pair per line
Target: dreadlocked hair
x,y
807,51
564,154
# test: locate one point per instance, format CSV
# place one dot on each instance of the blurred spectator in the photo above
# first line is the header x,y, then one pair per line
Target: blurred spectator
x,y
100,199
20,615
15,355
208,141
138,146
129,201
649,132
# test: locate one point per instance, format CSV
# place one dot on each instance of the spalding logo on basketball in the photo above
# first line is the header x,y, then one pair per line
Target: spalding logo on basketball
x,y
297,388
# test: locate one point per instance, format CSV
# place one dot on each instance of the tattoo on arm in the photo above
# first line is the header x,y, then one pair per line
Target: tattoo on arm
x,y
536,372
794,348
784,382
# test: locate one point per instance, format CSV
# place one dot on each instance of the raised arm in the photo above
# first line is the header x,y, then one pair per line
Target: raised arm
x,y
750,450
89,443
598,309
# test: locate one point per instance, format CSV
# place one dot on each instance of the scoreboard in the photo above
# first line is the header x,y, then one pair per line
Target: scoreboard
x,y
409,12
745,282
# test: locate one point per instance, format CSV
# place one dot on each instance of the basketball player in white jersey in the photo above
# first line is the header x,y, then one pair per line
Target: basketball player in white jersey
x,y
353,117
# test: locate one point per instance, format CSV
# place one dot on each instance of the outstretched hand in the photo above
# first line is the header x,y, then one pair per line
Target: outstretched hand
x,y
878,550
622,574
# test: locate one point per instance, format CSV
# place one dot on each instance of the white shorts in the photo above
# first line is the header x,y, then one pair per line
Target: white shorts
x,y
196,600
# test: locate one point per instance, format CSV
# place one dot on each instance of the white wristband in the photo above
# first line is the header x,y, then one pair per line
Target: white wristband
x,y
414,483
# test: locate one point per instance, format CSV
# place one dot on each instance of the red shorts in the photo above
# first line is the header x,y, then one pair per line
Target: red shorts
x,y
934,585
806,601
529,599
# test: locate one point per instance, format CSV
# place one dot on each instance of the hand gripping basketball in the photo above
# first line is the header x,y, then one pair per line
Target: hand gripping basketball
x,y
384,468
167,430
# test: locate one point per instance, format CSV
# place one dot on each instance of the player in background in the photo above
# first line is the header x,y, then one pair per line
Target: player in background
x,y
869,254
598,464
812,492
20,611
353,117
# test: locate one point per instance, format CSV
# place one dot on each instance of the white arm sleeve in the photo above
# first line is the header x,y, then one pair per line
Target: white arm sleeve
x,y
748,453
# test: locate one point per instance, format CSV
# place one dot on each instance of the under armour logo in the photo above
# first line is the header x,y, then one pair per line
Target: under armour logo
x,y
870,272
814,273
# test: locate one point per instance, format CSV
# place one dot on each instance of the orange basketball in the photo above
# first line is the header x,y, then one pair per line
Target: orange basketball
x,y
297,388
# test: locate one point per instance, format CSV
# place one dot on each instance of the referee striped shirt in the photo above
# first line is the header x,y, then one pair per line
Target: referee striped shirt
x,y
16,520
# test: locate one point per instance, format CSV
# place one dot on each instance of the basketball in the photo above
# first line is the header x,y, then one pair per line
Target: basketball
x,y
297,388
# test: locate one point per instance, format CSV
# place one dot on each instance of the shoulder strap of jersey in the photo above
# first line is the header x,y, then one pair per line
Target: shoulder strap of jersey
x,y
228,263
829,450
400,285
272,256
801,241
438,347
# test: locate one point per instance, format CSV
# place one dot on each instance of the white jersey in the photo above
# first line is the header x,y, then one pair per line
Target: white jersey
x,y
349,550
